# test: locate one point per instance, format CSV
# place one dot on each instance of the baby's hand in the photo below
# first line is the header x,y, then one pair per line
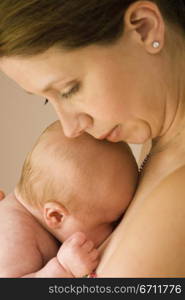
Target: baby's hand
x,y
78,255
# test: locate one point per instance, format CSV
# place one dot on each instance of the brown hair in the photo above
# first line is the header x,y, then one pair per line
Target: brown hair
x,y
30,27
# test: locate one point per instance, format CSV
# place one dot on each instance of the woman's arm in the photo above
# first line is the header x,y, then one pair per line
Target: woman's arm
x,y
150,241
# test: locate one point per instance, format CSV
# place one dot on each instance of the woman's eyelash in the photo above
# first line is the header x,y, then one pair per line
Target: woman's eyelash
x,y
46,101
71,92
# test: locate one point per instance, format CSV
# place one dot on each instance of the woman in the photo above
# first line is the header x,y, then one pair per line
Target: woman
x,y
115,69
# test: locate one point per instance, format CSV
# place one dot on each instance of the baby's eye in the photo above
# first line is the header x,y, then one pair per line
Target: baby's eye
x,y
46,101
71,92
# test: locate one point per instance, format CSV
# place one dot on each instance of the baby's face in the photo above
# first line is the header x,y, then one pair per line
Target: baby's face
x,y
100,192
93,226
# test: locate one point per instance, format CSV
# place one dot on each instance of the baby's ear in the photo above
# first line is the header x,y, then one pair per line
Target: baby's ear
x,y
54,213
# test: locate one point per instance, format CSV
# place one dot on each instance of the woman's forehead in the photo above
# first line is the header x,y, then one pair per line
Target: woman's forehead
x,y
55,59
56,66
43,69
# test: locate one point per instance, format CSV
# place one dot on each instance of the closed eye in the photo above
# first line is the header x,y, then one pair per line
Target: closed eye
x,y
46,101
71,92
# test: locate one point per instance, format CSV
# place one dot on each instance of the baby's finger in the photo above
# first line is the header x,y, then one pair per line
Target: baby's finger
x,y
76,239
94,254
88,246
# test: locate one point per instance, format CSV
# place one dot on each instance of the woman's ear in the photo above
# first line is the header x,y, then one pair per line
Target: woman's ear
x,y
54,214
145,23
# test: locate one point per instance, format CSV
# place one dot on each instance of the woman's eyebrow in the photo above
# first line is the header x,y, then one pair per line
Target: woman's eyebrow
x,y
44,90
28,92
48,86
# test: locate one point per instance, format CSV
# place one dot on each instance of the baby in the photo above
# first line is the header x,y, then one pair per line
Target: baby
x,y
71,191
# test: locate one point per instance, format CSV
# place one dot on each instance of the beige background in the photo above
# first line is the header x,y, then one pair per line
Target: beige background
x,y
23,118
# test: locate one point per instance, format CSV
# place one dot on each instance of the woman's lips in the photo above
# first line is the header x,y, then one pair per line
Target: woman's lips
x,y
113,135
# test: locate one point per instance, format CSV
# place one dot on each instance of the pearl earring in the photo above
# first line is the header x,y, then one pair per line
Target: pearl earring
x,y
156,44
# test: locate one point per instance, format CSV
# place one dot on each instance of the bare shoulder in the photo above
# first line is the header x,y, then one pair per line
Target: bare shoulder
x,y
169,192
19,253
150,241
173,183
25,245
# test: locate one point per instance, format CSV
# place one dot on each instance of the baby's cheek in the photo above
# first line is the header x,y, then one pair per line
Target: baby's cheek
x,y
102,234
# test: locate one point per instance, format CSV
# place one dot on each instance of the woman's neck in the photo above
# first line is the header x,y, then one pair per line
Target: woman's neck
x,y
173,127
167,152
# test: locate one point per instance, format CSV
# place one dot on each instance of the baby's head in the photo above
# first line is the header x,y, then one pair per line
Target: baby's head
x,y
80,184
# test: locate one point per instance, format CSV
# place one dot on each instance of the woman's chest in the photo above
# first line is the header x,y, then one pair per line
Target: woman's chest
x,y
157,167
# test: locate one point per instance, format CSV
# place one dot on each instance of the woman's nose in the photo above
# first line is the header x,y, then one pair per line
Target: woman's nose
x,y
74,126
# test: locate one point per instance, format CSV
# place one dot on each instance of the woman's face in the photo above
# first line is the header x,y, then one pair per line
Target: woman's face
x,y
108,92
